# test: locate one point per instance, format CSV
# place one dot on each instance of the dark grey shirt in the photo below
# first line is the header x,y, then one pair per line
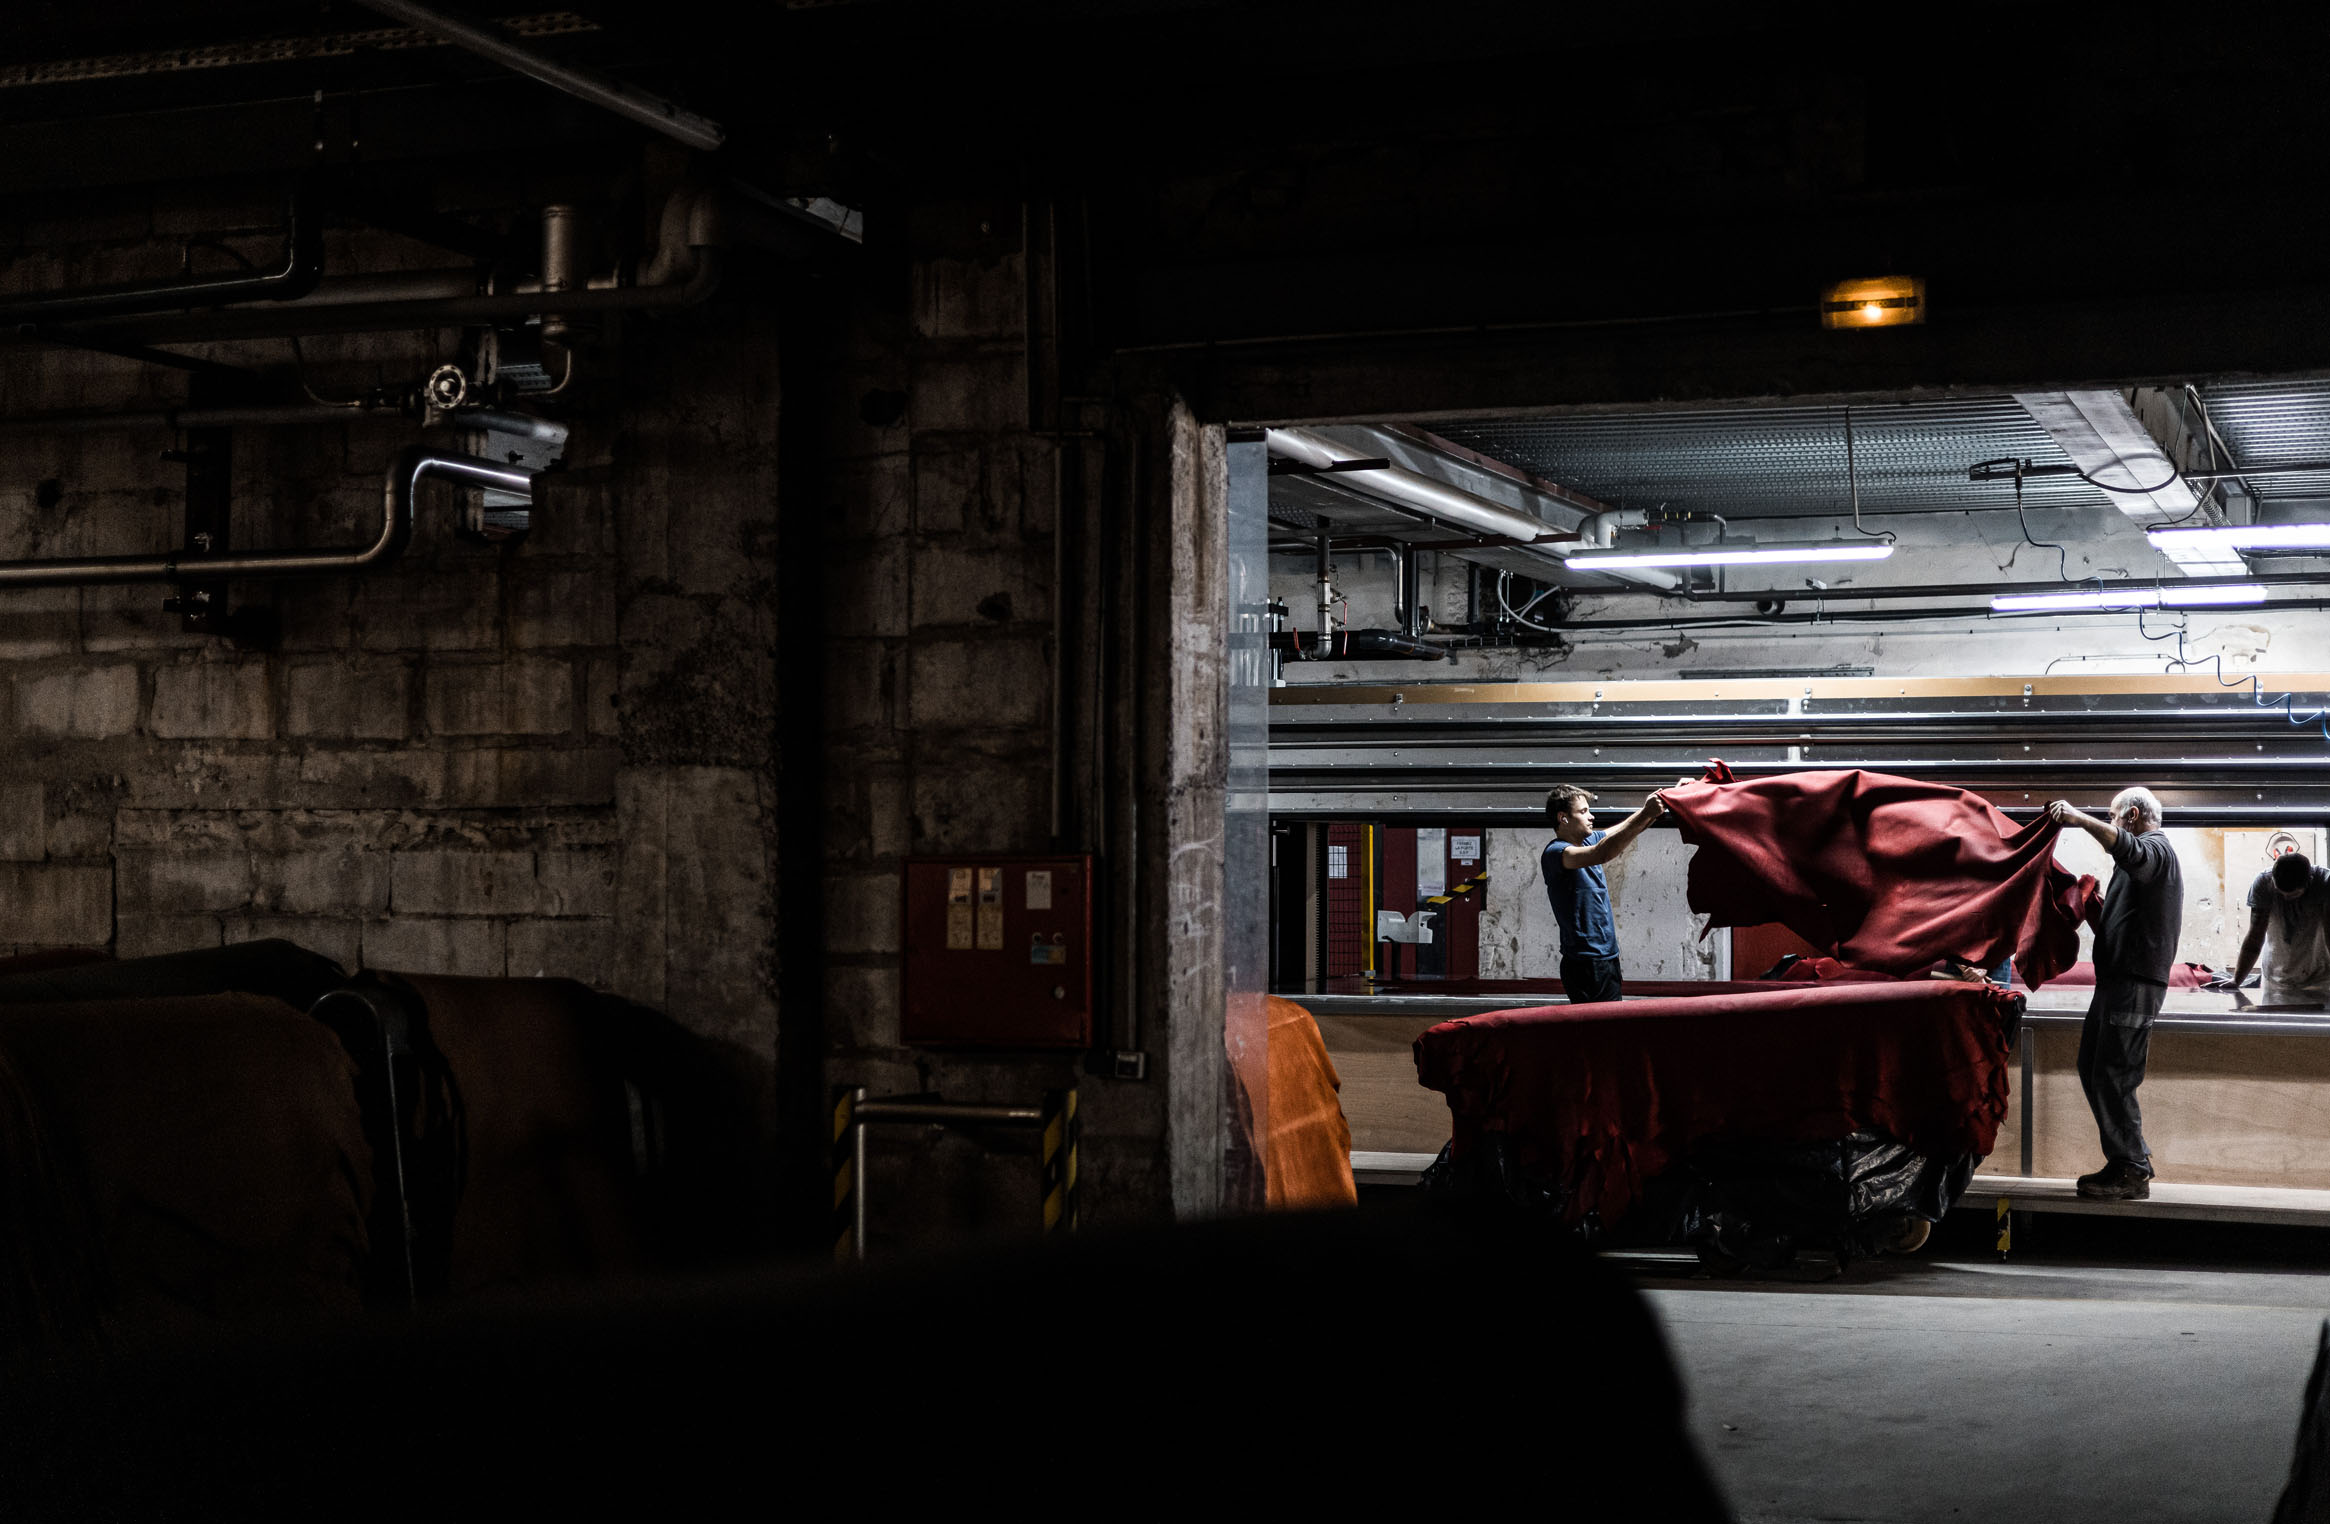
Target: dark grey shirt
x,y
2143,911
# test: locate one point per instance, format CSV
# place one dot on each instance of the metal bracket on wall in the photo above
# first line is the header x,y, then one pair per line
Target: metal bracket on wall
x,y
210,489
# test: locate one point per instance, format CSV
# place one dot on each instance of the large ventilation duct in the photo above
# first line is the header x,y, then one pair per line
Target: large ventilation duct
x,y
1401,486
2100,432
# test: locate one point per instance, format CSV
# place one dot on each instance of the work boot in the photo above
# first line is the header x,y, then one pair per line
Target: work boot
x,y
2116,1181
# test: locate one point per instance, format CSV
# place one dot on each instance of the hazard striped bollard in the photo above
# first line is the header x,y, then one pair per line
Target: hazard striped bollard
x,y
847,1234
1061,1133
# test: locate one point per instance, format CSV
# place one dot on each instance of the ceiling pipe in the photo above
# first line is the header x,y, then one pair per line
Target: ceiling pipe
x,y
688,274
1981,611
265,416
1407,489
293,275
651,111
1415,492
1986,590
415,465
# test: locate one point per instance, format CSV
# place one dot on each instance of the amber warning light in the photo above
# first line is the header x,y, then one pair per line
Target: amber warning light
x,y
1889,301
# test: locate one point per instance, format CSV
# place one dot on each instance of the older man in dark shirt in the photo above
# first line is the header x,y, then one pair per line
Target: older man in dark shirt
x,y
2135,946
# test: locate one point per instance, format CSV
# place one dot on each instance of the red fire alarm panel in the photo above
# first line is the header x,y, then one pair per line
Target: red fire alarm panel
x,y
998,952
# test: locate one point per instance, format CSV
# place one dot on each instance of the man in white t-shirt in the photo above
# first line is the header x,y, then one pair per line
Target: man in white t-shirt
x,y
2289,922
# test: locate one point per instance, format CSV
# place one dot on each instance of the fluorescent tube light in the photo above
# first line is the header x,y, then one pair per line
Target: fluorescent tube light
x,y
1737,553
2128,598
2225,538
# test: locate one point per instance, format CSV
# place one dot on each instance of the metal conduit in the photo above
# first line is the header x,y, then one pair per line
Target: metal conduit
x,y
1904,616
405,475
1984,590
385,317
637,105
1406,488
294,275
1402,488
287,415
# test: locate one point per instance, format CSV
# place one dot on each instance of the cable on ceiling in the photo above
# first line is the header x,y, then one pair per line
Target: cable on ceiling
x,y
1853,484
2287,703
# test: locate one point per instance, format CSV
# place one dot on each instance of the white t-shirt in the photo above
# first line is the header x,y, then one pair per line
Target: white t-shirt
x,y
2297,938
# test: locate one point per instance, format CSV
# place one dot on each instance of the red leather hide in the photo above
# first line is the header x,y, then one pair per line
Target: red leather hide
x,y
1602,1098
1884,873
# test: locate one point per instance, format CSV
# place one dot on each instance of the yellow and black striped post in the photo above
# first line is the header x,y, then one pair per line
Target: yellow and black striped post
x,y
1433,902
2005,1226
845,1175
1061,1133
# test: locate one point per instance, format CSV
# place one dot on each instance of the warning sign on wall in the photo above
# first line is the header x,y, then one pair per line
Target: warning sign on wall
x,y
1465,849
1431,861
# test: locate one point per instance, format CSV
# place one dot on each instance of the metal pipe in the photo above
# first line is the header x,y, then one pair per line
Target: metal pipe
x,y
1883,616
561,263
1416,493
1357,645
181,418
289,321
1411,592
293,275
1993,471
948,1112
1986,589
285,415
1326,587
1408,488
857,1171
415,465
526,425
390,286
625,101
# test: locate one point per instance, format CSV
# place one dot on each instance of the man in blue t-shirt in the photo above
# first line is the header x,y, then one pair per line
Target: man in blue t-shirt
x,y
1572,865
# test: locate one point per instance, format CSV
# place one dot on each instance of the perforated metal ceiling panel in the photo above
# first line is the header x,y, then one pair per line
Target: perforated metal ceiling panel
x,y
1752,462
2276,423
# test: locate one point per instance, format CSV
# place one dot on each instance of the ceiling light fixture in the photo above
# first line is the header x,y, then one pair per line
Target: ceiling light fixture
x,y
1734,553
2203,596
2237,537
1887,301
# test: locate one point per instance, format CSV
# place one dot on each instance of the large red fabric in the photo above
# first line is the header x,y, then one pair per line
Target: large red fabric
x,y
1882,872
1600,1099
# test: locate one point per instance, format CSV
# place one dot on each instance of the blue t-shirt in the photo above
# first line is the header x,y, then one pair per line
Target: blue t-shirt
x,y
1581,903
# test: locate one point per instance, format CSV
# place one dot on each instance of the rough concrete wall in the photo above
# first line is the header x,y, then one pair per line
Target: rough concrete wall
x,y
1658,936
542,758
941,706
938,692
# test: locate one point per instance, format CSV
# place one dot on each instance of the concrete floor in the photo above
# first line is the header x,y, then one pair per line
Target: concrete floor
x,y
1958,1387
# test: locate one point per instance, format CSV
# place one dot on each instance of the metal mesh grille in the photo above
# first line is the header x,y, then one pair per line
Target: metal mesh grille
x,y
1753,462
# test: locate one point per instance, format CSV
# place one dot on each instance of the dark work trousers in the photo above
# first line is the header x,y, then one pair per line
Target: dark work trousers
x,y
1586,980
2113,1044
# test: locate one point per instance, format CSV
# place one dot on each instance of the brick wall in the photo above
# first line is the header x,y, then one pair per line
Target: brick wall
x,y
547,758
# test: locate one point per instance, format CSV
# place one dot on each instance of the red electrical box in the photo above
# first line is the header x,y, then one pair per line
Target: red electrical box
x,y
998,952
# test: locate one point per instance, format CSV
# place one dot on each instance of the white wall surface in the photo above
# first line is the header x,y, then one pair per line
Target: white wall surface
x,y
1658,936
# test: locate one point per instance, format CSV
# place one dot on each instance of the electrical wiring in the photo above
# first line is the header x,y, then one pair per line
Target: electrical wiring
x,y
2287,703
1504,604
2062,556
